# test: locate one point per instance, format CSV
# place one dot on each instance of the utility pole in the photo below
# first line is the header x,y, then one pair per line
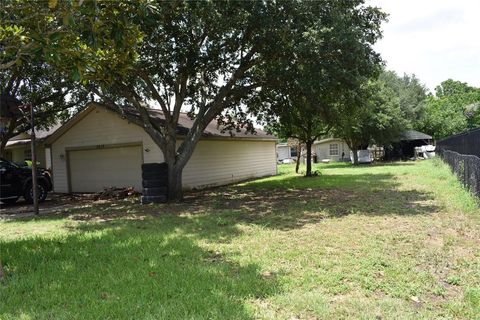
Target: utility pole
x,y
34,162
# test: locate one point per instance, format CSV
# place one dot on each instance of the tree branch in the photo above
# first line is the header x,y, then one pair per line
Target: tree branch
x,y
156,94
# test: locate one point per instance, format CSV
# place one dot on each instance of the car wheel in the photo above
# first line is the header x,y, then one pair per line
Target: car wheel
x,y
9,201
42,193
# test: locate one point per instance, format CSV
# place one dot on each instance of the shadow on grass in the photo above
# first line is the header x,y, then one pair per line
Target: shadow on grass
x,y
285,202
337,165
293,201
152,268
130,261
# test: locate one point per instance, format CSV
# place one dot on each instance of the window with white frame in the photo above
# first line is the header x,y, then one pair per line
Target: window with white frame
x,y
334,149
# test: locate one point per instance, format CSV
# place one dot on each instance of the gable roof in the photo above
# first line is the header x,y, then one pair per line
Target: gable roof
x,y
40,135
409,135
213,129
327,140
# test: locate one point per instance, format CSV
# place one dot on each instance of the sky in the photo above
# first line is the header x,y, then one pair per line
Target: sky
x,y
433,39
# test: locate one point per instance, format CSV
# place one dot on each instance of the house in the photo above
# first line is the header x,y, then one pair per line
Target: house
x,y
98,148
284,151
18,149
331,149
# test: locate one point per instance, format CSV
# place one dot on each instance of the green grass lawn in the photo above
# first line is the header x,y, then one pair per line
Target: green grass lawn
x,y
393,241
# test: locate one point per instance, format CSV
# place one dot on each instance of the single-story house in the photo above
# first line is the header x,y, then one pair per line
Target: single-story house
x,y
332,149
98,148
284,151
18,149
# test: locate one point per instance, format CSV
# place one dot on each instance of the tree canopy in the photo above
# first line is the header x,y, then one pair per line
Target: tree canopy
x,y
377,117
454,108
329,56
31,38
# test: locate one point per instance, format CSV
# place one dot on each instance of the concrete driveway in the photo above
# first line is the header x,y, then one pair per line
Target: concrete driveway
x,y
54,204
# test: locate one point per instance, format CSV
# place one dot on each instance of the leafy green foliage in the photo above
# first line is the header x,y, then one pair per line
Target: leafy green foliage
x,y
75,36
376,117
33,40
454,109
411,95
327,58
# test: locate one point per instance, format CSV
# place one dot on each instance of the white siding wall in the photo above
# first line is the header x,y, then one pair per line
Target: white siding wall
x,y
18,154
283,152
323,150
222,162
214,162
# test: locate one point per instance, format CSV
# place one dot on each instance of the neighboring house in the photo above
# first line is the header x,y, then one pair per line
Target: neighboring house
x,y
331,149
284,151
18,148
98,148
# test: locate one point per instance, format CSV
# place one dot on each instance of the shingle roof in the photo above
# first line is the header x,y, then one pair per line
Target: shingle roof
x,y
409,135
40,135
213,129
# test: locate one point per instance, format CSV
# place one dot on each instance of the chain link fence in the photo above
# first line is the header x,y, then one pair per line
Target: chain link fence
x,y
462,153
466,167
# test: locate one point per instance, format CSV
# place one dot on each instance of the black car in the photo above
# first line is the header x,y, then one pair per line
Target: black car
x,y
16,182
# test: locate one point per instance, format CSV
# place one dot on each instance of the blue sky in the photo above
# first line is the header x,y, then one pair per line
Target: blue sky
x,y
434,39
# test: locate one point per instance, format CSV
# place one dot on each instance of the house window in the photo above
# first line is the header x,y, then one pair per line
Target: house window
x,y
27,154
334,149
293,152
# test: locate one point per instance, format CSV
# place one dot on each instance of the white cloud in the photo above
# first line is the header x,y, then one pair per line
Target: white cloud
x,y
434,39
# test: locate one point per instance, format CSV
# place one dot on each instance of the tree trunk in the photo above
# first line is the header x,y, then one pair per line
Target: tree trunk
x,y
175,188
309,158
299,155
355,156
3,144
7,136
175,169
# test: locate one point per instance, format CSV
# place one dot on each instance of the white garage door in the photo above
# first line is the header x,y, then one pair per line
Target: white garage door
x,y
95,169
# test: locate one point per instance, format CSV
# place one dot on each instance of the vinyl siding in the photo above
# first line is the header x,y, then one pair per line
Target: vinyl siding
x,y
214,162
98,127
18,154
283,152
322,150
222,162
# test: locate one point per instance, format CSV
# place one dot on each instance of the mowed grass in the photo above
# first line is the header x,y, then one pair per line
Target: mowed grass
x,y
391,241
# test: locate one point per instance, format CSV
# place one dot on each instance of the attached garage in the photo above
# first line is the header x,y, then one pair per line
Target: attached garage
x,y
98,148
95,169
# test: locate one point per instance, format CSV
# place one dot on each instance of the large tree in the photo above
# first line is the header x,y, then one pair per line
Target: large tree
x,y
193,56
33,37
329,56
298,121
53,97
454,109
377,117
204,57
411,94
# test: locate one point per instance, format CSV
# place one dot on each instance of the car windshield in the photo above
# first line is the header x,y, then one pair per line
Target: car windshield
x,y
6,163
